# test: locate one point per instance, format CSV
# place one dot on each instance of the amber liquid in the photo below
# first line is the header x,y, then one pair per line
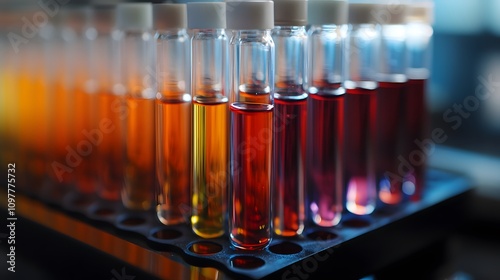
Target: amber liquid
x,y
360,153
33,131
138,190
210,168
62,123
416,126
86,172
173,161
110,151
388,140
289,164
251,151
324,158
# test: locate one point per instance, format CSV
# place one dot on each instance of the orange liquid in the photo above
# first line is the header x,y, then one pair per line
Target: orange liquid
x,y
61,127
85,123
110,151
139,160
174,160
251,148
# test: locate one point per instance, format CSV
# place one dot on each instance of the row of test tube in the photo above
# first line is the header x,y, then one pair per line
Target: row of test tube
x,y
260,115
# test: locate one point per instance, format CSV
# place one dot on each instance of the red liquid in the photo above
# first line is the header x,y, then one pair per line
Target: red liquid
x,y
325,130
360,153
251,147
388,140
415,127
288,165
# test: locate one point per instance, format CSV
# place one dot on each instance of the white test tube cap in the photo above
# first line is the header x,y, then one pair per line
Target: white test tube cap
x,y
363,13
134,16
254,15
170,16
421,12
290,12
392,13
206,15
323,12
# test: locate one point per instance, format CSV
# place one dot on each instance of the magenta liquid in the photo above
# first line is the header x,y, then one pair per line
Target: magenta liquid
x,y
389,135
288,165
325,130
360,150
416,121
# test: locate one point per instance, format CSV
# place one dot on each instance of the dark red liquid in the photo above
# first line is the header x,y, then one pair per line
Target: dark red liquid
x,y
325,130
389,133
416,124
251,148
360,153
289,164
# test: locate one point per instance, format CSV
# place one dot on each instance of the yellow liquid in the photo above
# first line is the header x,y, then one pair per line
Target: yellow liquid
x,y
137,193
210,168
174,160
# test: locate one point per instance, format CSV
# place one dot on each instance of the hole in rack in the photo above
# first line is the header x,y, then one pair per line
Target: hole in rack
x,y
205,248
356,223
166,234
133,221
285,248
81,201
103,212
246,262
322,235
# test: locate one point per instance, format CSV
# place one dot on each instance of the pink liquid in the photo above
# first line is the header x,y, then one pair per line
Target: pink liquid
x,y
324,158
288,164
388,140
416,126
251,148
360,153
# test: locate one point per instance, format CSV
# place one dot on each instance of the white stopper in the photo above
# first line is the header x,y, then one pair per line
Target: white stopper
x,y
206,15
392,13
250,15
290,12
360,13
321,12
134,16
421,12
170,16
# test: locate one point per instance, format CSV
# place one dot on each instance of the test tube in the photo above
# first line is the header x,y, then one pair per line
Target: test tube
x,y
210,117
290,105
392,82
418,44
361,59
136,42
325,124
251,55
111,110
174,114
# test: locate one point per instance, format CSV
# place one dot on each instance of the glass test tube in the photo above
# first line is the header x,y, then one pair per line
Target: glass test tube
x,y
210,118
251,50
416,123
110,111
325,124
173,117
290,105
361,59
392,82
135,21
